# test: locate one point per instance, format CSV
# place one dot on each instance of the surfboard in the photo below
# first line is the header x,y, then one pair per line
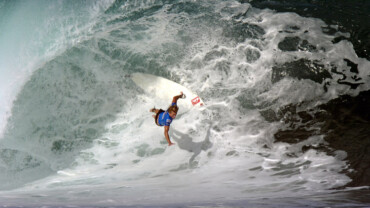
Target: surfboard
x,y
166,89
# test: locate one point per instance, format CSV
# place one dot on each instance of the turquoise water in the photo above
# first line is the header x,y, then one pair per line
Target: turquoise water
x,y
75,128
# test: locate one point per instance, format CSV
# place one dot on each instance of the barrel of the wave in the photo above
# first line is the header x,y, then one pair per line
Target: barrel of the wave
x,y
165,89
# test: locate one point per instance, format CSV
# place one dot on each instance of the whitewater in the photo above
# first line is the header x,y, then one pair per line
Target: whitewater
x,y
76,131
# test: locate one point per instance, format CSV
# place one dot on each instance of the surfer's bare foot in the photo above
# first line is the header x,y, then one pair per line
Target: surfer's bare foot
x,y
170,144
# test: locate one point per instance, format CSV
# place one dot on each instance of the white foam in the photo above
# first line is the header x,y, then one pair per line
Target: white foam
x,y
223,150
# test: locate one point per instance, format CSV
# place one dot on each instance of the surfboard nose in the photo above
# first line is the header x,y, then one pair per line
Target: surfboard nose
x,y
165,89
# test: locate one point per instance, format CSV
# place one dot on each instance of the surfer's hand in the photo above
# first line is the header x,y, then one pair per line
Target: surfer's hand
x,y
174,100
182,95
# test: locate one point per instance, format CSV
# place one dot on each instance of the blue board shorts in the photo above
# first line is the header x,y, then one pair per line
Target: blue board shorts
x,y
156,116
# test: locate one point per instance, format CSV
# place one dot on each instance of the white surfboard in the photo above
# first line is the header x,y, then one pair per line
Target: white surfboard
x,y
166,89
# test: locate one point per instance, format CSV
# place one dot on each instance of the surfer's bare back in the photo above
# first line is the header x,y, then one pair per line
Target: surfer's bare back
x,y
164,118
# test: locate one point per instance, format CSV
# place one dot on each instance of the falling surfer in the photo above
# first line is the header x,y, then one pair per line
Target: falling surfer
x,y
164,118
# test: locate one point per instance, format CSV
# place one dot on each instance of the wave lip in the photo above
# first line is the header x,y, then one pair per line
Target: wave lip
x,y
36,32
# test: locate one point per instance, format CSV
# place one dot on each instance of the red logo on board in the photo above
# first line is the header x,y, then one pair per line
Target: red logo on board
x,y
195,100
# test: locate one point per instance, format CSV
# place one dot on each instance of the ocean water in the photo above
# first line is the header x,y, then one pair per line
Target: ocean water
x,y
76,131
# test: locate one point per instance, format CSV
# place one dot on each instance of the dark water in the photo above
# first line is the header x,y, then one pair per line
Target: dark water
x,y
345,120
350,16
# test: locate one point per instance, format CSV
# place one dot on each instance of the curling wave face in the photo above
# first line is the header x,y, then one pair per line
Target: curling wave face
x,y
80,129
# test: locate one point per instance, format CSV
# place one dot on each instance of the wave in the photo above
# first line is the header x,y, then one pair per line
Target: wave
x,y
78,123
36,32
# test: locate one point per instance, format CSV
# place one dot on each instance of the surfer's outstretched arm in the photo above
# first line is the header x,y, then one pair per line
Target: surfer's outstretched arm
x,y
166,129
174,100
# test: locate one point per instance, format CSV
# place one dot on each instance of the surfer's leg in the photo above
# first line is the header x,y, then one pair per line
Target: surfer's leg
x,y
153,110
157,112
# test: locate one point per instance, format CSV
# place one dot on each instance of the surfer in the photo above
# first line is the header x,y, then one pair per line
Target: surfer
x,y
164,118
